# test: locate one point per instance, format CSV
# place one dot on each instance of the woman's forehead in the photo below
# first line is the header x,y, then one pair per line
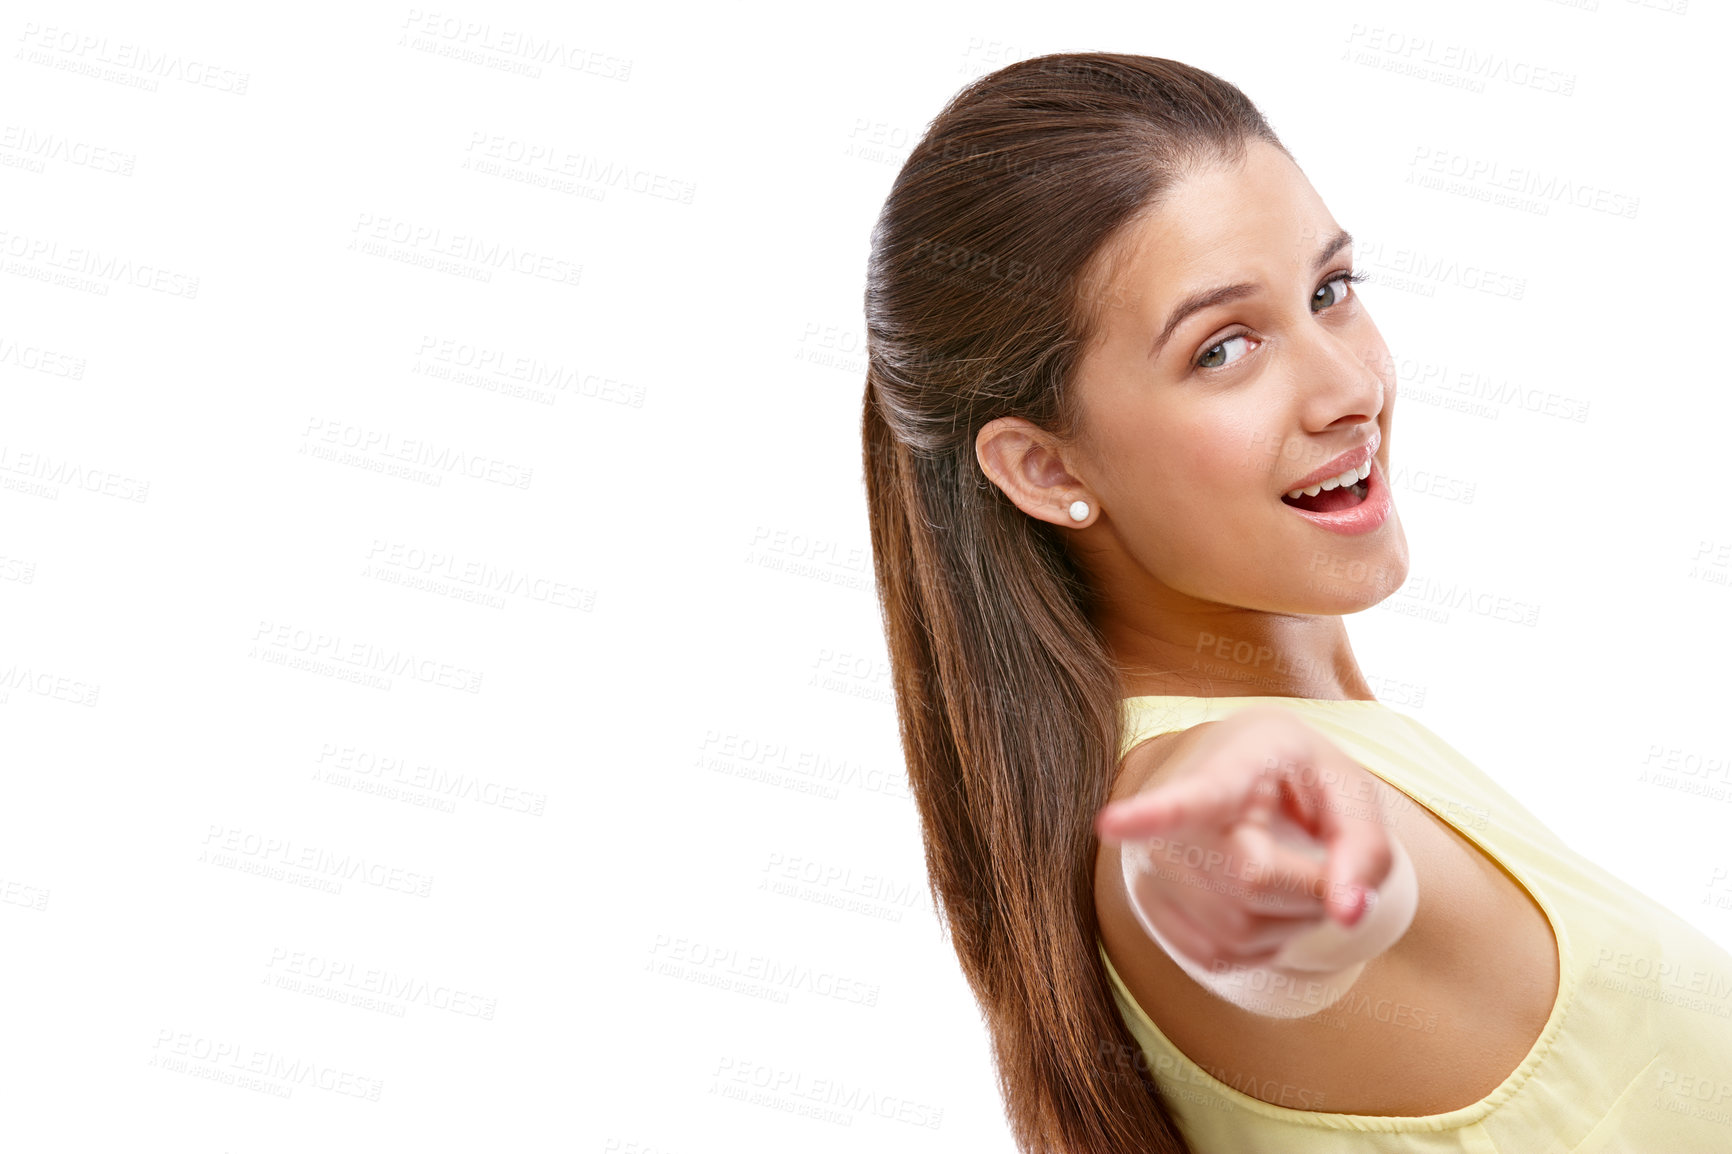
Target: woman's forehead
x,y
1262,207
1222,223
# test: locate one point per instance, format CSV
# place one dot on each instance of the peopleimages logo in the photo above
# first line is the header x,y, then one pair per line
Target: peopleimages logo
x,y
1454,65
383,235
1492,176
386,445
234,1063
228,846
352,978
286,644
92,55
43,254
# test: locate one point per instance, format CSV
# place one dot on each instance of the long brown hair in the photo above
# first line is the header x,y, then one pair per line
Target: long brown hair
x,y
987,277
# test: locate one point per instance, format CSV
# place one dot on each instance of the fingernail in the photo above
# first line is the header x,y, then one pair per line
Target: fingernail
x,y
1356,910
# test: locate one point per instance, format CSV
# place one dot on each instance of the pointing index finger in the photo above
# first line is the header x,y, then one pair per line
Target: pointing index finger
x,y
1203,798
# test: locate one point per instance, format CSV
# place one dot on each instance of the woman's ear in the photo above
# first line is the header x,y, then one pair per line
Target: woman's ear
x,y
1026,463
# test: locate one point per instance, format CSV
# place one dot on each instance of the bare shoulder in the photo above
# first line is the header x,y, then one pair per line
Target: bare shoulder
x,y
1142,766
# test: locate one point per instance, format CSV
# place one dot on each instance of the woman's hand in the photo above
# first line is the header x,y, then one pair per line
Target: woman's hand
x,y
1218,862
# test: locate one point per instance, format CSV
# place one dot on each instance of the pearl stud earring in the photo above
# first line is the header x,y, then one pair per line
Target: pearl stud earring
x,y
1079,510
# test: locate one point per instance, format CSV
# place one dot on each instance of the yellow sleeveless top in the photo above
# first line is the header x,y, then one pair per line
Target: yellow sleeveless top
x,y
1636,1055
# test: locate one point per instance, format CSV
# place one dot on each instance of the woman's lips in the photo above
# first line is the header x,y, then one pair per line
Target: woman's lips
x,y
1360,518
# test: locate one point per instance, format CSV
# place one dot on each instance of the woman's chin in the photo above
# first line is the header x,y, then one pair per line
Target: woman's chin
x,y
1350,585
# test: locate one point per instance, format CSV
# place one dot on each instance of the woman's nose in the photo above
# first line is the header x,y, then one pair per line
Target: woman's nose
x,y
1337,384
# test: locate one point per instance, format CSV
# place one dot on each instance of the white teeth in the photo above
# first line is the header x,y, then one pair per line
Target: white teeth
x,y
1350,477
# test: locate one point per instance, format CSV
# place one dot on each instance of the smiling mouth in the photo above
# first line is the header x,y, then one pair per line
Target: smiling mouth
x,y
1330,500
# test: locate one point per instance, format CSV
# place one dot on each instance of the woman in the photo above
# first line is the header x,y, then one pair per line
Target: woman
x,y
1127,428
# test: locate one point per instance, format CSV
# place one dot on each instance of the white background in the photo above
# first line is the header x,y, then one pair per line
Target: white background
x,y
680,768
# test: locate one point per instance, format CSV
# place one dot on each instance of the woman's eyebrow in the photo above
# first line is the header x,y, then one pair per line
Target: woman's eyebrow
x,y
1336,243
1196,302
1208,298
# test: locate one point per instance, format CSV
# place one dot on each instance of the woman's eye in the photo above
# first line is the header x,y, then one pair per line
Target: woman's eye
x,y
1217,355
1331,292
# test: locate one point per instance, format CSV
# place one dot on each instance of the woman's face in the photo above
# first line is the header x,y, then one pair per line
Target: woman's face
x,y
1236,364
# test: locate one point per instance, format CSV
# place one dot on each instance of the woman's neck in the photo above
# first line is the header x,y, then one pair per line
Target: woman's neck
x,y
1236,653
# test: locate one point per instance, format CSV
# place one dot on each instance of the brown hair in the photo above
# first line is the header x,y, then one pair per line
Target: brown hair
x,y
984,283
